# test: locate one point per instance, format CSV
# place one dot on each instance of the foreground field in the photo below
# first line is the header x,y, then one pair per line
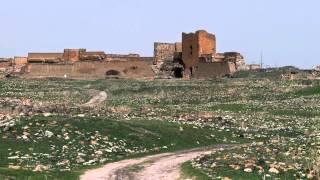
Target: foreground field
x,y
47,133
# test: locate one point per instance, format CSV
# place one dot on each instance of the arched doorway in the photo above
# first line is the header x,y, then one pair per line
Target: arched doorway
x,y
113,74
178,72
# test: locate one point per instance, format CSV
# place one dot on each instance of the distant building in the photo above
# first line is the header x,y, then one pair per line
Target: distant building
x,y
194,57
197,56
249,67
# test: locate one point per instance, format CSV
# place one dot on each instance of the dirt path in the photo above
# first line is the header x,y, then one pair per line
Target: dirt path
x,y
157,167
97,99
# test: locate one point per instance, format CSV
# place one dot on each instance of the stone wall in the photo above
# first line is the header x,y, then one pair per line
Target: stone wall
x,y
163,52
135,69
121,57
4,64
207,43
20,60
45,57
73,55
194,45
190,50
215,69
178,47
92,56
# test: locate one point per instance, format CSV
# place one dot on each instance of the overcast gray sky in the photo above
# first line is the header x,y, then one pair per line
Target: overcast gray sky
x,y
287,31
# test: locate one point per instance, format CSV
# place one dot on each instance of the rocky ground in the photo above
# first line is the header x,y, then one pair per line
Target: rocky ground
x,y
163,166
56,127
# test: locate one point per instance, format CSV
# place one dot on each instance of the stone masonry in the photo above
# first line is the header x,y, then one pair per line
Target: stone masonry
x,y
194,46
194,57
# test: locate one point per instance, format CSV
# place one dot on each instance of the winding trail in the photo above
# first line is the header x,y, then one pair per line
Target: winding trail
x,y
164,166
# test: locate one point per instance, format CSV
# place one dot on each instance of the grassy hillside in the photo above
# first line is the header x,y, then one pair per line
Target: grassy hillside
x,y
56,136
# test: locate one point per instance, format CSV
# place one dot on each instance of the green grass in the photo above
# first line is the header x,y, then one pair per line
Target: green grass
x,y
273,75
296,112
141,134
270,107
223,159
29,175
308,91
236,107
188,172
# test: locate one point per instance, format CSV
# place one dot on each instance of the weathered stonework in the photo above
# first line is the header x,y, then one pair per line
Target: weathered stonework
x,y
163,52
195,57
134,69
194,46
73,55
165,55
207,70
45,57
20,60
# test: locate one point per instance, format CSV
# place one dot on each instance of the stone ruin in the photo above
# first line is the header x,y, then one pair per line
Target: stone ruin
x,y
194,57
167,60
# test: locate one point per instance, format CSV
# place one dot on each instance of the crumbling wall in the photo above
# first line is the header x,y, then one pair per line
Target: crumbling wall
x,y
163,52
45,57
190,51
194,45
136,69
122,57
4,66
178,47
73,55
20,60
92,56
165,59
207,43
19,64
215,69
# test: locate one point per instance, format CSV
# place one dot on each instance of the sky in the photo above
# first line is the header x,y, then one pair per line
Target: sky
x,y
285,32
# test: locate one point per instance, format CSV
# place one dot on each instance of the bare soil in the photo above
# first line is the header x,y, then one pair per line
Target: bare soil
x,y
161,167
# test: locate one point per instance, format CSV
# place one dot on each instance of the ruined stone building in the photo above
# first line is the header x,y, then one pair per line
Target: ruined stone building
x,y
83,64
194,57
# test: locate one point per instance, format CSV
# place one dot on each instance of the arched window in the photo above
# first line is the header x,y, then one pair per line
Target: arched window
x,y
112,73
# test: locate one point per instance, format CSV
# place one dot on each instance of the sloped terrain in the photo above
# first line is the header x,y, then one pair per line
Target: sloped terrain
x,y
47,132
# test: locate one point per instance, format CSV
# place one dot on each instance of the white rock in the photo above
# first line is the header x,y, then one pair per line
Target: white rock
x,y
47,114
310,176
213,165
82,155
25,137
14,157
248,170
274,171
14,167
48,134
80,160
99,153
40,168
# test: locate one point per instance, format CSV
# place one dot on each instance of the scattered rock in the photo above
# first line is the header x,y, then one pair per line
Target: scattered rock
x,y
14,167
248,170
49,134
40,168
274,171
47,114
310,176
97,100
